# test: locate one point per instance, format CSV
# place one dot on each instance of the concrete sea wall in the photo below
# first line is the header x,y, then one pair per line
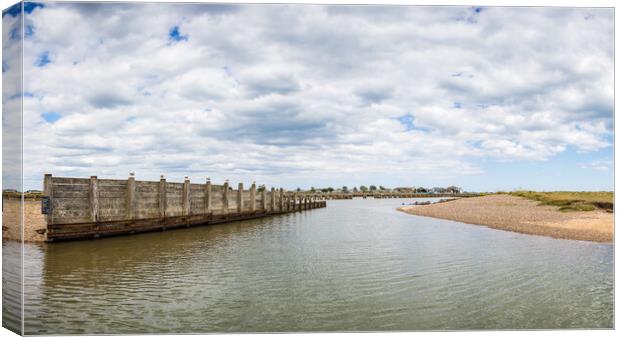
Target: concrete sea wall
x,y
80,208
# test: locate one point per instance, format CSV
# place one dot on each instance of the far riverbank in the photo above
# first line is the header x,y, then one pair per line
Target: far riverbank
x,y
516,214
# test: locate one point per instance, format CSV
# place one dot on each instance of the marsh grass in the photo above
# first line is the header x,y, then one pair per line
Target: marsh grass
x,y
571,201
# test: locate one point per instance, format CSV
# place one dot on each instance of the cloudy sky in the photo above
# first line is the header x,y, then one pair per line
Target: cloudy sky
x,y
315,95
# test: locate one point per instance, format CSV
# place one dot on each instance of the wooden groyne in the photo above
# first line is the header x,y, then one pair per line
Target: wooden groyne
x,y
78,208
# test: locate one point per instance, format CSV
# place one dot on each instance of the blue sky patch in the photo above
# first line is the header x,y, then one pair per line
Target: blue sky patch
x,y
29,31
43,59
14,10
30,6
175,34
408,121
14,35
457,105
51,116
19,96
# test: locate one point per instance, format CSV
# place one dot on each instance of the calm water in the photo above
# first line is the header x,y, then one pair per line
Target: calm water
x,y
355,265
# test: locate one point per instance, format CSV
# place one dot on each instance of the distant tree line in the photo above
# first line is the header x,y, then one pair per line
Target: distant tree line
x,y
382,189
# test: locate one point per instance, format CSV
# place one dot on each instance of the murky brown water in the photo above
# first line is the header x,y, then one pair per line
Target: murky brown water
x,y
355,265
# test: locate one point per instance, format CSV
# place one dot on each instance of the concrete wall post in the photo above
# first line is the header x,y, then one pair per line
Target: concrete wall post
x,y
131,196
186,197
47,192
240,198
208,196
253,197
93,198
281,200
225,198
162,196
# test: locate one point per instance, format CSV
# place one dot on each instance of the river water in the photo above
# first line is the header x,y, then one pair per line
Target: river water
x,y
357,265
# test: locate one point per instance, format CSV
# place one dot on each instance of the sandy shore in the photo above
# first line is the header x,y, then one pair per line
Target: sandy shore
x,y
517,214
34,221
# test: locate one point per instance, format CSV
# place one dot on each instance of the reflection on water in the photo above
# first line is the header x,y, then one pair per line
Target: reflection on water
x,y
12,286
355,265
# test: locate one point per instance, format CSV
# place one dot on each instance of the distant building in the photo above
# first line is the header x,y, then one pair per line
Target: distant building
x,y
404,189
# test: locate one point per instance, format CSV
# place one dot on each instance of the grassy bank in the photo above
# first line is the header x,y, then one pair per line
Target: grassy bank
x,y
571,201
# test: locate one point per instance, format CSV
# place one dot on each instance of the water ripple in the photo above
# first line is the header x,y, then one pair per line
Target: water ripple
x,y
357,265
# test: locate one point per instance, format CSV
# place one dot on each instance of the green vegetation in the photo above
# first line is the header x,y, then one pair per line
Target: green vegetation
x,y
572,201
27,195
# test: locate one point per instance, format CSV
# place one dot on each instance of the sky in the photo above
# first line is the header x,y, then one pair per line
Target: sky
x,y
486,98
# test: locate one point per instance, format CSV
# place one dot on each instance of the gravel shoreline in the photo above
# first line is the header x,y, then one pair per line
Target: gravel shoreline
x,y
517,214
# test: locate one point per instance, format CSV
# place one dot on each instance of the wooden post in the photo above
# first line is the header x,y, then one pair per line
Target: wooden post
x,y
288,203
186,202
263,194
240,198
281,198
162,197
93,198
208,196
131,195
47,192
225,198
273,199
253,197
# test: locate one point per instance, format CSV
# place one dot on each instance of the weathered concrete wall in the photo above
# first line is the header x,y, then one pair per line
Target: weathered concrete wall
x,y
34,221
92,207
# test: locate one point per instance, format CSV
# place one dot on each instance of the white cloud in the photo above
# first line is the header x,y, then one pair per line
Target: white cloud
x,y
294,95
600,165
